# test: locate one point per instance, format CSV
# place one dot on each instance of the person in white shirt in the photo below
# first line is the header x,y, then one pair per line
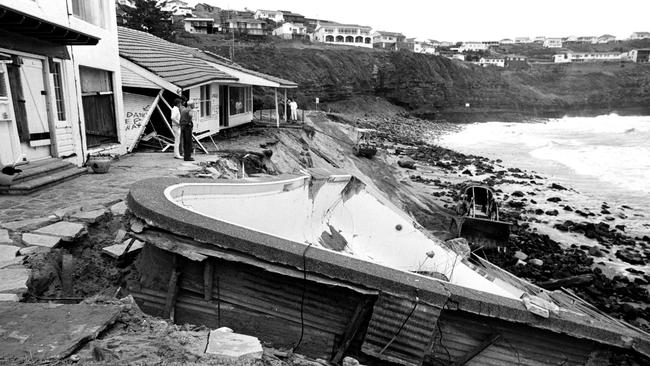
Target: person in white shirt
x,y
294,110
176,127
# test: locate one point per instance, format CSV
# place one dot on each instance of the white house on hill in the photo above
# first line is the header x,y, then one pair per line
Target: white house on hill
x,y
291,31
553,43
343,34
275,15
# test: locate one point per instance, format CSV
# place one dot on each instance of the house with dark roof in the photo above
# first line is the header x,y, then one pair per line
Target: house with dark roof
x,y
640,35
387,40
157,71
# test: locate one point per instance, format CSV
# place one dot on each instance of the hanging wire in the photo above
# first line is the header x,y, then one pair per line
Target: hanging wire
x,y
302,298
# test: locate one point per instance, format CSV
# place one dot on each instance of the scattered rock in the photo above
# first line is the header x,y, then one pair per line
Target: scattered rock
x,y
520,255
467,172
32,250
518,194
118,209
14,280
620,227
552,212
595,251
536,262
567,208
539,211
630,256
8,252
67,231
234,346
119,250
554,199
609,218
557,186
137,225
516,204
406,163
349,361
47,241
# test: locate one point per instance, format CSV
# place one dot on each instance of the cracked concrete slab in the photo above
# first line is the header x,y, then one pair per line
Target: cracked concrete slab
x,y
9,297
29,224
67,231
89,217
14,280
118,209
4,237
8,252
234,346
47,241
119,250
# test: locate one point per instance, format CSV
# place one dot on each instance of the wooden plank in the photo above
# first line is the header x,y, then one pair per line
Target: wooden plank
x,y
208,276
67,264
493,338
360,314
172,291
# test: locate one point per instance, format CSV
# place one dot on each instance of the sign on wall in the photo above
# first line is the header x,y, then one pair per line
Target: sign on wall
x,y
137,110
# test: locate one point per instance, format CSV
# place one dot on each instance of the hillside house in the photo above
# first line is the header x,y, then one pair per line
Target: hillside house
x,y
506,41
640,35
203,10
640,55
587,39
421,45
523,40
274,15
516,62
606,38
343,34
587,57
553,43
176,7
473,46
497,61
387,40
539,39
571,39
245,26
60,84
156,72
199,25
291,31
292,17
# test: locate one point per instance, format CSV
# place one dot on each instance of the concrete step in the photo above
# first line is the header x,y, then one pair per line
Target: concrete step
x,y
39,169
32,185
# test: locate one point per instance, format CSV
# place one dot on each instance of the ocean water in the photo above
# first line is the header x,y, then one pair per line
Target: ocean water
x,y
605,158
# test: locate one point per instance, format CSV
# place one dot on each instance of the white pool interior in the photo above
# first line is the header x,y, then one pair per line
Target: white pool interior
x,y
337,214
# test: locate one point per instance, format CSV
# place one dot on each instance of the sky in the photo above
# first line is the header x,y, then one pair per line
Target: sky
x,y
471,20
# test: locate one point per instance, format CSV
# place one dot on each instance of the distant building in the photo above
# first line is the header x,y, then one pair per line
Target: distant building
x,y
641,55
387,40
292,17
523,40
199,25
587,57
274,15
492,61
291,31
606,38
506,41
423,46
441,43
539,39
516,62
245,26
571,39
472,46
640,35
203,10
458,56
176,7
587,39
491,43
129,3
553,43
343,34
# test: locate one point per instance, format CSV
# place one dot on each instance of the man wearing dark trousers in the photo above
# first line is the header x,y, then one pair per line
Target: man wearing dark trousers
x,y
186,131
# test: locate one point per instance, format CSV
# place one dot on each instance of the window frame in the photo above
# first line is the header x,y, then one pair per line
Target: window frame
x,y
95,12
59,95
205,102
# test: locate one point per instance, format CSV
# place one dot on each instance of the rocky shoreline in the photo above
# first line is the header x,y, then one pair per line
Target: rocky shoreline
x,y
553,244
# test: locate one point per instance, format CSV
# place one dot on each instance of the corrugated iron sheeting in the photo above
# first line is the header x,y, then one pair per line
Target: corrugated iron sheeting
x,y
411,343
459,333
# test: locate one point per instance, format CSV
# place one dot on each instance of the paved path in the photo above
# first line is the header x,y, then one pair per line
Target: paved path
x,y
93,189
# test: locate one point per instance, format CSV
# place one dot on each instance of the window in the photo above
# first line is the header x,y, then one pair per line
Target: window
x,y
3,85
98,106
58,91
241,100
92,11
205,106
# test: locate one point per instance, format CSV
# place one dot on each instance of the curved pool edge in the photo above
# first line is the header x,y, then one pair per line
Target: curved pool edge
x,y
146,200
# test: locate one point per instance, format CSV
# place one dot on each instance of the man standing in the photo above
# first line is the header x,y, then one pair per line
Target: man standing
x,y
176,127
186,131
294,110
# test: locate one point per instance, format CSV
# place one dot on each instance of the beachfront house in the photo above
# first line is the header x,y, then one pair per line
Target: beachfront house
x,y
60,84
640,35
156,72
387,40
506,41
199,25
421,45
343,34
553,43
292,17
587,39
291,31
516,62
523,40
606,38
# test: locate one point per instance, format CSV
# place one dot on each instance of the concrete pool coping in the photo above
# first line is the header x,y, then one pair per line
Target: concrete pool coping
x,y
147,200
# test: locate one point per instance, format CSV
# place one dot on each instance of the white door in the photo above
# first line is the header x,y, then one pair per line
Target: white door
x,y
33,83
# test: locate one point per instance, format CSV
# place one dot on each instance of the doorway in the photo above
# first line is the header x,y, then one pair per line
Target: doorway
x,y
27,86
223,106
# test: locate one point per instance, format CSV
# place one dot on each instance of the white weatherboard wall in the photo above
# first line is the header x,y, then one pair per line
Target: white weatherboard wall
x,y
136,112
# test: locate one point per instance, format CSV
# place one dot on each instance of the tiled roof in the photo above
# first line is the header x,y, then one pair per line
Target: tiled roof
x,y
390,34
168,60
